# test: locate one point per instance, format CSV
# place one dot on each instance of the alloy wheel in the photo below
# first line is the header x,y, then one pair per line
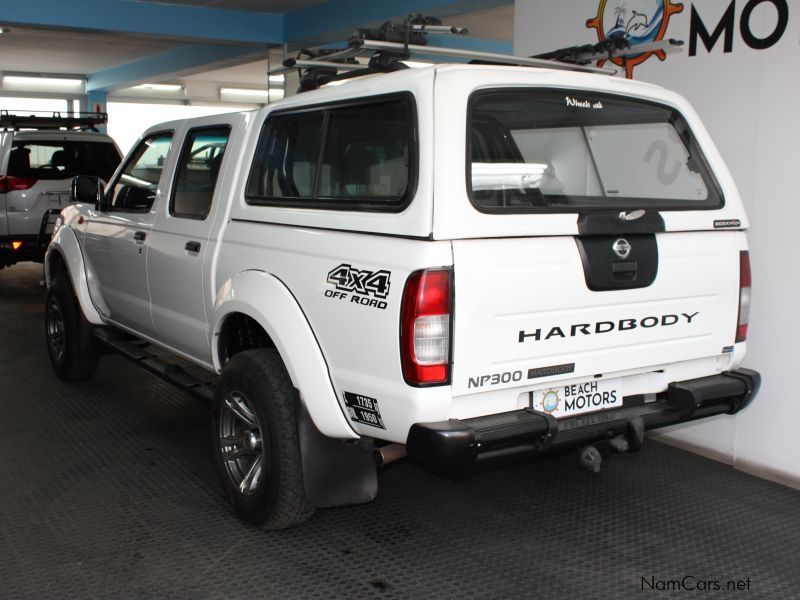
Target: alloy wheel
x,y
242,446
55,328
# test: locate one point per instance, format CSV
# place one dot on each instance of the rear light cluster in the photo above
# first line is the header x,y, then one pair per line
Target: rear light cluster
x,y
425,327
745,281
9,183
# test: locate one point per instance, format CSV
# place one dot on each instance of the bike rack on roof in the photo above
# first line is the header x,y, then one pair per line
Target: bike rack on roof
x,y
83,121
386,47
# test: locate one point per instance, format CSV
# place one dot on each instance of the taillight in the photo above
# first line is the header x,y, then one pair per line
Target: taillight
x,y
9,183
425,327
744,296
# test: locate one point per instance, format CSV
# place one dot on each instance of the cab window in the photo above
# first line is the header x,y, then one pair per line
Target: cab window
x,y
198,170
135,190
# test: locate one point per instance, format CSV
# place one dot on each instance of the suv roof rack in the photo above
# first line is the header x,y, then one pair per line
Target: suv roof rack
x,y
84,121
391,43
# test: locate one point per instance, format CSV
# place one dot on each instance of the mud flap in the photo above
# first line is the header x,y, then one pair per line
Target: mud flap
x,y
335,472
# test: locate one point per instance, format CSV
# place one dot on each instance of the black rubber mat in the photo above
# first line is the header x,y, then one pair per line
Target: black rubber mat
x,y
108,490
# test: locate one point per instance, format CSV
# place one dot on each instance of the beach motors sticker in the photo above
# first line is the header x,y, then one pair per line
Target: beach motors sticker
x,y
364,287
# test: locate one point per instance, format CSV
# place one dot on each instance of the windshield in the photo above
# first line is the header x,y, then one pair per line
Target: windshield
x,y
568,150
62,159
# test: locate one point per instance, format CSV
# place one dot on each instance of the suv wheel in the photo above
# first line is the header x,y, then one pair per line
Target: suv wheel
x,y
72,352
256,442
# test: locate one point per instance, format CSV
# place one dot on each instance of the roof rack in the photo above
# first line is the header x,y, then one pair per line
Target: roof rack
x,y
387,46
612,47
84,121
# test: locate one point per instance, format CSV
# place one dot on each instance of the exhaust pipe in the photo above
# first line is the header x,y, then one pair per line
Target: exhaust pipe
x,y
389,453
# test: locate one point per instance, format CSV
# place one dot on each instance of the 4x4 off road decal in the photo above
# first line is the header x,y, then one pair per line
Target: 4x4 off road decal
x,y
368,288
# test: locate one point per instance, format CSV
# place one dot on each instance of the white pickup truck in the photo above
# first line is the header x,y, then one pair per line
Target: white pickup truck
x,y
457,263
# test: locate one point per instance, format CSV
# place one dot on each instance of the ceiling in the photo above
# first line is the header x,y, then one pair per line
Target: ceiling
x,y
493,24
57,51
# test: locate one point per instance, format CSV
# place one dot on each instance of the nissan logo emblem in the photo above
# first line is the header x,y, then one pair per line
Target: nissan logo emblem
x,y
621,248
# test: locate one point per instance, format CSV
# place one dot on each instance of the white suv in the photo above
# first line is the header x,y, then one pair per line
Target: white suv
x,y
458,263
39,156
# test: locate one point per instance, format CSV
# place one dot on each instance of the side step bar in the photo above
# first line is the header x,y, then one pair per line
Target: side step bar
x,y
169,372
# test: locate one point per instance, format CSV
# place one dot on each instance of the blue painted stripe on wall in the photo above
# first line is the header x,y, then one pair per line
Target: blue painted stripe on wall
x,y
183,59
170,20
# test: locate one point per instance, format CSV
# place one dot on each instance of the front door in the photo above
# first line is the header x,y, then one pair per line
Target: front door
x,y
117,237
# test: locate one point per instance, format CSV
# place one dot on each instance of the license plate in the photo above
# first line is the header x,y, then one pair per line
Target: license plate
x,y
578,398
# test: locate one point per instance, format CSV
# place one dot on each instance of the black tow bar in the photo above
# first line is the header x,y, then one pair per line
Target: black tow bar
x,y
591,457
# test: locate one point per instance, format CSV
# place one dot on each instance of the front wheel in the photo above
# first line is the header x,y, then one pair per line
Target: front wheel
x,y
256,441
72,351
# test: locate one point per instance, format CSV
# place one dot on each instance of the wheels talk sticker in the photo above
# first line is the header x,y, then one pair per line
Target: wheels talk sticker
x,y
367,288
363,409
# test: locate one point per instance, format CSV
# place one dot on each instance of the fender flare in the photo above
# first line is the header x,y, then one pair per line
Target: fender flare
x,y
65,243
267,300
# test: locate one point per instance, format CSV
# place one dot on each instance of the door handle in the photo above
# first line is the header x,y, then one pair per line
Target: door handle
x,y
139,236
193,246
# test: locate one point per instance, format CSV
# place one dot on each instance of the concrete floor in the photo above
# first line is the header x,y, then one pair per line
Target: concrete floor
x,y
108,490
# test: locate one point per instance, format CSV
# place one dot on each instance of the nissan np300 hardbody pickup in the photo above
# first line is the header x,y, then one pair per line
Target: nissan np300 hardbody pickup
x,y
454,263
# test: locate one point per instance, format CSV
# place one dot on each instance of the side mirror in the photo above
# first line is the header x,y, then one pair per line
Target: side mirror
x,y
87,189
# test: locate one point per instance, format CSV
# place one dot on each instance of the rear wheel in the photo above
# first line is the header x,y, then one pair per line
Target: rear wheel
x,y
72,351
256,442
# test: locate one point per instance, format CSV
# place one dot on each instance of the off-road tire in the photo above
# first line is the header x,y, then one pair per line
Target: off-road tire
x,y
73,352
258,380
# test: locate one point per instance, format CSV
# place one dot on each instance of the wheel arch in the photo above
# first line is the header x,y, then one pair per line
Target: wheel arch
x,y
272,316
64,255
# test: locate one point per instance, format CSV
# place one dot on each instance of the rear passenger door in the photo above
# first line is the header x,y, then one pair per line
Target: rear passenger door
x,y
181,245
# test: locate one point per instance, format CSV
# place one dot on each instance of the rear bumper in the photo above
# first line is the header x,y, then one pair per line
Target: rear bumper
x,y
455,445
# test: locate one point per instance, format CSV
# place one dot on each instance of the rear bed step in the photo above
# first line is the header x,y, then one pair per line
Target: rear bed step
x,y
169,372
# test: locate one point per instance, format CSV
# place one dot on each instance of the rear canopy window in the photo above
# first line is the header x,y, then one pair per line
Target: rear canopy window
x,y
354,156
62,159
549,150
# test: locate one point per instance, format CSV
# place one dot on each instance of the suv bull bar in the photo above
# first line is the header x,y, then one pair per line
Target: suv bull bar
x,y
455,445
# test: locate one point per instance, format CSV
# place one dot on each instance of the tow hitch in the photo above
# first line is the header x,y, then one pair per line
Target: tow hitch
x,y
591,457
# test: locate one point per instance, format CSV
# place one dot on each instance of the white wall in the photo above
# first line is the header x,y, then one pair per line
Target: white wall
x,y
23,106
128,120
750,102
